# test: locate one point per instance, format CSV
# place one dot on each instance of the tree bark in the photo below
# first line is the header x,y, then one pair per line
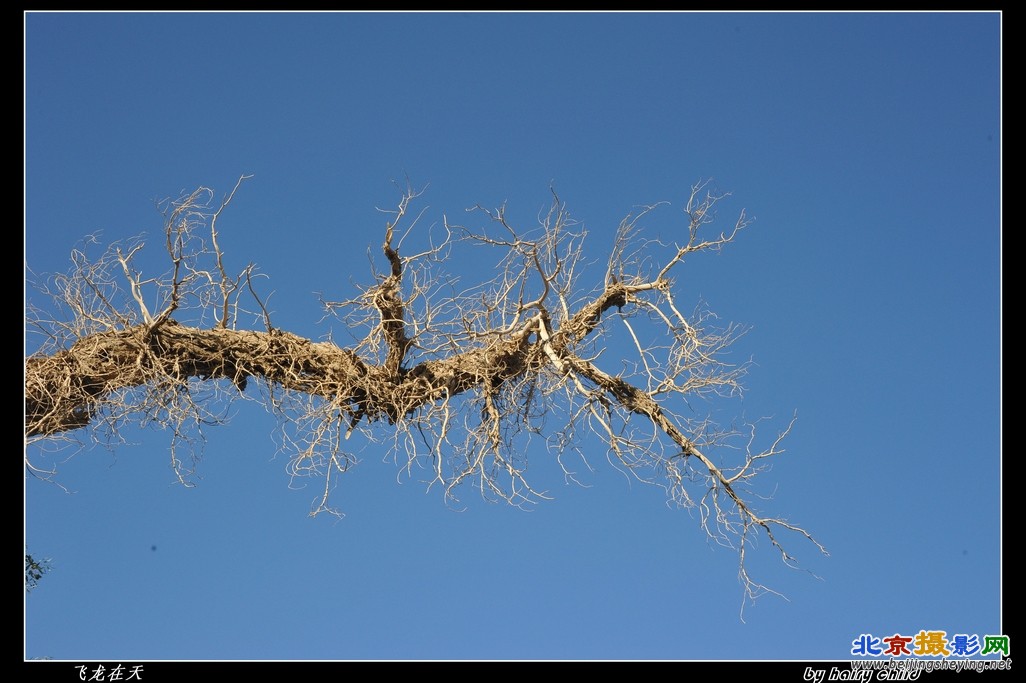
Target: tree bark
x,y
62,390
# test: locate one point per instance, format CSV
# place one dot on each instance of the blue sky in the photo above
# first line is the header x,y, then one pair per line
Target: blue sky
x,y
867,147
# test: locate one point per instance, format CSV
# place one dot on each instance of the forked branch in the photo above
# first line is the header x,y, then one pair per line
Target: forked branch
x,y
464,379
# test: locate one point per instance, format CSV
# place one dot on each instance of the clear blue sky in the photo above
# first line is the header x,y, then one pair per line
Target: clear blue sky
x,y
867,146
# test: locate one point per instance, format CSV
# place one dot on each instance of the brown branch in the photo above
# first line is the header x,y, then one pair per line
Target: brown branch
x,y
63,390
521,350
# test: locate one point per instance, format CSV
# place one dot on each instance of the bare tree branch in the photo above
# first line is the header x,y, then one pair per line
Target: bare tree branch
x,y
465,378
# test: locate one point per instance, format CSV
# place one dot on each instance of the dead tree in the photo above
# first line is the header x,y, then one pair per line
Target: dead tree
x,y
463,378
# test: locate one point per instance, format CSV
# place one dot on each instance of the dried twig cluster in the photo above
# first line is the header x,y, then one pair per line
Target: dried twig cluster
x,y
463,378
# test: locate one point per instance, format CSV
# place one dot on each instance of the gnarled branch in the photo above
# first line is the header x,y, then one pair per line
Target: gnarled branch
x,y
465,378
